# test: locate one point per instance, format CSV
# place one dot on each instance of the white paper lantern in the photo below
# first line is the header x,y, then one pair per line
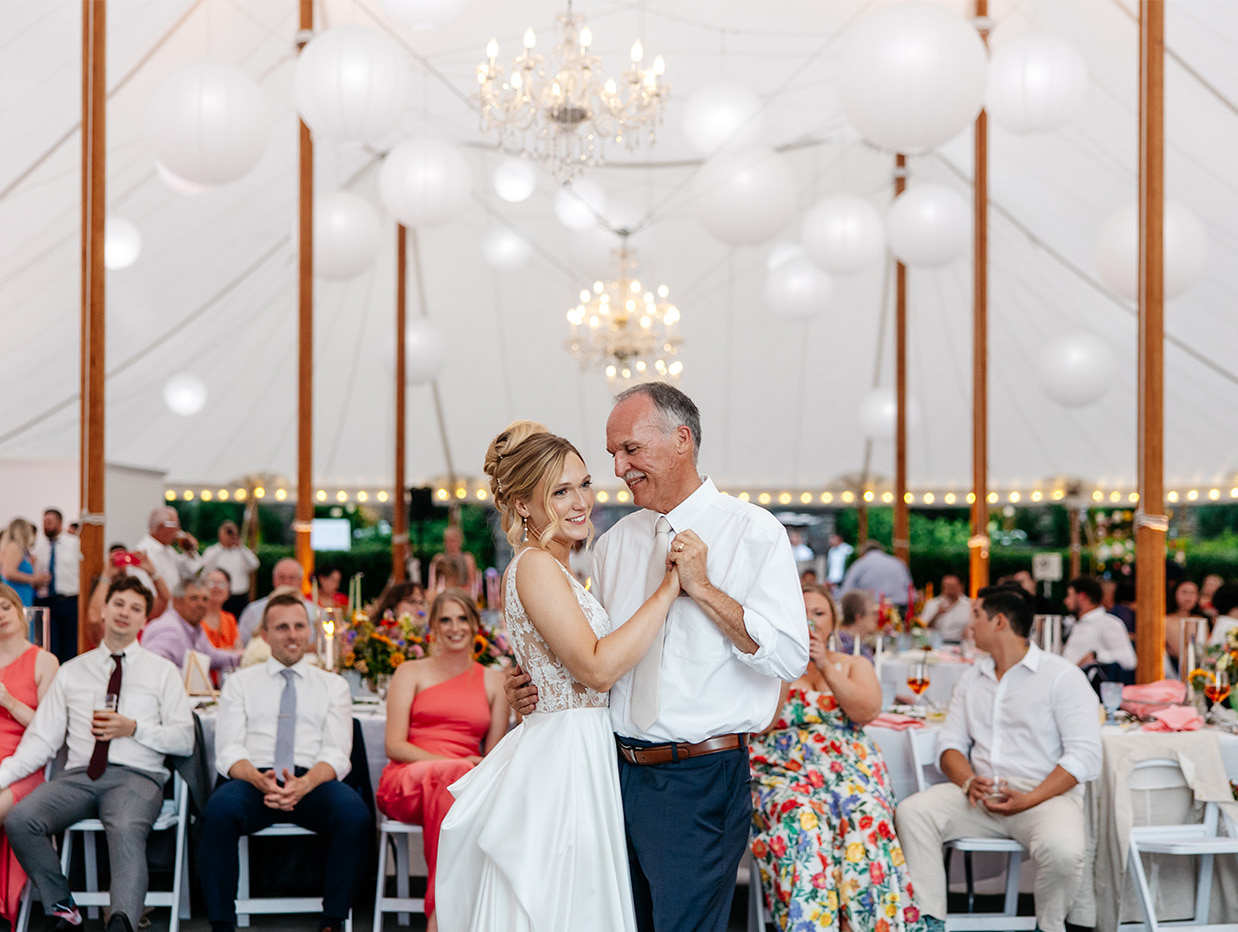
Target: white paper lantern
x,y
878,414
928,226
1036,83
782,253
578,205
423,14
347,233
122,243
1077,369
1185,247
425,351
184,394
515,180
723,115
208,123
505,249
744,198
351,84
424,182
842,233
912,76
177,183
797,288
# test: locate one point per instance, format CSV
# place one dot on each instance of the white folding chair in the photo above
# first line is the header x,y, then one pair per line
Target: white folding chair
x,y
247,905
401,835
757,920
1150,780
923,745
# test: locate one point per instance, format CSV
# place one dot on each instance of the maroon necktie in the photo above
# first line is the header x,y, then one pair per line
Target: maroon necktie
x,y
98,757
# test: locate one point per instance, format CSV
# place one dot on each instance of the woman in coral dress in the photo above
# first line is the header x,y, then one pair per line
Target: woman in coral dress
x,y
823,807
219,623
25,673
443,713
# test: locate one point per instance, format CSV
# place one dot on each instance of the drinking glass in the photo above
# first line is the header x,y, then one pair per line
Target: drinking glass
x,y
1217,691
918,677
1111,698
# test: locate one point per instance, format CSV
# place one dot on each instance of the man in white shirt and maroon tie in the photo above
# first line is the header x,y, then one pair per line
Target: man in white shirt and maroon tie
x,y
1021,738
681,717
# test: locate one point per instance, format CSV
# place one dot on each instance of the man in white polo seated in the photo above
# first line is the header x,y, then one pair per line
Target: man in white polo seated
x,y
1021,738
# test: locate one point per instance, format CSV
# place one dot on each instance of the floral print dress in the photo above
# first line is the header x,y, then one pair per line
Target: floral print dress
x,y
823,823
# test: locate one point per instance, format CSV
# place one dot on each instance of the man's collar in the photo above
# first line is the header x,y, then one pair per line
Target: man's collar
x,y
129,652
274,667
1097,611
1031,660
688,512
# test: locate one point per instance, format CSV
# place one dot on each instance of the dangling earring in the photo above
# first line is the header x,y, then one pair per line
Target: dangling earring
x,y
524,526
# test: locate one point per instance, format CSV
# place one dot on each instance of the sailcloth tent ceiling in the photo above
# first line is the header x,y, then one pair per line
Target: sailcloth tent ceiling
x,y
213,292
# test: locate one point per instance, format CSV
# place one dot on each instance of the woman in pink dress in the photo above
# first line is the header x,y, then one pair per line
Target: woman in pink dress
x,y
443,713
25,673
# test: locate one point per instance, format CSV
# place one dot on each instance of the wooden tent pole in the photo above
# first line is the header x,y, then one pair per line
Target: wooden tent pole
x,y
902,519
94,212
1150,522
978,545
305,329
399,522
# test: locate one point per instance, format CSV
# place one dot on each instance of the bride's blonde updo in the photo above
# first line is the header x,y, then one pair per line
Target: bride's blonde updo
x,y
523,456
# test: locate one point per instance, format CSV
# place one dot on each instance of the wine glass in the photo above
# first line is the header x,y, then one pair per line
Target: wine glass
x,y
918,677
1111,698
1217,689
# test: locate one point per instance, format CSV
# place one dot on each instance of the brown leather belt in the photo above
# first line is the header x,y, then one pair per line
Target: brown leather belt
x,y
669,753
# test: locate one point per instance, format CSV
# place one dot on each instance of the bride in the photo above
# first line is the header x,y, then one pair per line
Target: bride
x,y
535,838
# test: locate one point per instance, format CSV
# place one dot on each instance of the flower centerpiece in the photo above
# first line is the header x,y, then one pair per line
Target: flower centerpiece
x,y
376,647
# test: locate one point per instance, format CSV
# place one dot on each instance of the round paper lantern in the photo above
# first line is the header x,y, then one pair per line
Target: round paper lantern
x,y
1077,369
797,288
424,182
347,232
1117,250
208,123
1036,83
184,394
515,180
928,226
122,243
425,351
723,115
505,249
878,414
744,198
351,83
578,205
177,183
912,76
842,233
422,14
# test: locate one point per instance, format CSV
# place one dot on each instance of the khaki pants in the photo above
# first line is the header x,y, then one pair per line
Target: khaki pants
x,y
1052,832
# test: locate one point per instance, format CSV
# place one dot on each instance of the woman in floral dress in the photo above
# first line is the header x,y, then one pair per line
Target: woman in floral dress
x,y
823,808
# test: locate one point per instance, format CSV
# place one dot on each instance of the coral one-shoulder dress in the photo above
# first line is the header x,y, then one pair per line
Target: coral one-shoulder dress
x,y
18,679
450,718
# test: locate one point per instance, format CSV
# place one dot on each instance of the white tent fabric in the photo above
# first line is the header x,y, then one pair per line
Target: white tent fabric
x,y
214,290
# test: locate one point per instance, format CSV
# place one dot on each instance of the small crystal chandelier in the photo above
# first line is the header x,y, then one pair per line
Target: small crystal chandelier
x,y
560,111
632,333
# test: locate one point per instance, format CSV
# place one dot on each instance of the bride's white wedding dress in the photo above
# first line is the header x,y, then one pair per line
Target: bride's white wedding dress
x,y
535,839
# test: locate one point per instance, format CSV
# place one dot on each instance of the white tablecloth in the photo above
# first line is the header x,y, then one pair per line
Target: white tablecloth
x,y
942,679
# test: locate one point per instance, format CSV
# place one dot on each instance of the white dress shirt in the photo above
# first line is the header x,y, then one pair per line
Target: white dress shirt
x,y
238,562
169,562
1041,714
249,715
953,621
151,693
68,563
1101,634
836,562
708,686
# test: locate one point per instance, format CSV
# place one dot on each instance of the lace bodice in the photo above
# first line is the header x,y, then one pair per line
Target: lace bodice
x,y
557,690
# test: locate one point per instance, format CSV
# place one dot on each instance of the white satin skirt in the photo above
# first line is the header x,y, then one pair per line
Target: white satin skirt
x,y
535,838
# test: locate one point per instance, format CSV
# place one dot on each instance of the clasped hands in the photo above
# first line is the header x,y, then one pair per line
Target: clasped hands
x,y
283,798
688,555
999,800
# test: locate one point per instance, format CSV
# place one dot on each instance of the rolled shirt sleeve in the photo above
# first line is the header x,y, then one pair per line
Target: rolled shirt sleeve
x,y
169,729
953,734
774,615
1076,712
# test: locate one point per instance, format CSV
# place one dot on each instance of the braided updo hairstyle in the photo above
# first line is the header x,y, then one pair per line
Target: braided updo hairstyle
x,y
523,456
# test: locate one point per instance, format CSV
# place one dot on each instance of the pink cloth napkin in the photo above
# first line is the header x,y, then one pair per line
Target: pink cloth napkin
x,y
896,722
1175,718
1144,700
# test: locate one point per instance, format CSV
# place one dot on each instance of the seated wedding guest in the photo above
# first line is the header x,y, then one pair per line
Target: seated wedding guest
x,y
407,598
237,560
329,580
219,623
59,554
1111,600
17,563
179,630
285,573
173,551
1207,589
880,573
949,613
115,769
859,620
122,564
454,567
282,746
26,672
1183,604
823,806
443,714
1021,738
1225,601
1097,636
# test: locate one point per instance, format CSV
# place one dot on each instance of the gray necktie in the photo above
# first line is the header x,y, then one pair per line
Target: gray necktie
x,y
286,730
645,676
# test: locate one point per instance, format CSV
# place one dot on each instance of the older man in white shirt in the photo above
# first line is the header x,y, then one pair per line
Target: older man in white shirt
x,y
1097,636
1021,738
949,613
163,532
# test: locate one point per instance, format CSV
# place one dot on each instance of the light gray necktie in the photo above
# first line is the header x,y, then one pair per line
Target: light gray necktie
x,y
286,729
645,676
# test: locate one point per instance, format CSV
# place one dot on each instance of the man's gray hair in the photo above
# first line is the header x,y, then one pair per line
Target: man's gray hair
x,y
182,587
676,409
158,515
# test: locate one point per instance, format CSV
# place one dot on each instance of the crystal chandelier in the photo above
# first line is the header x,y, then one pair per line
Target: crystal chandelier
x,y
561,110
633,334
